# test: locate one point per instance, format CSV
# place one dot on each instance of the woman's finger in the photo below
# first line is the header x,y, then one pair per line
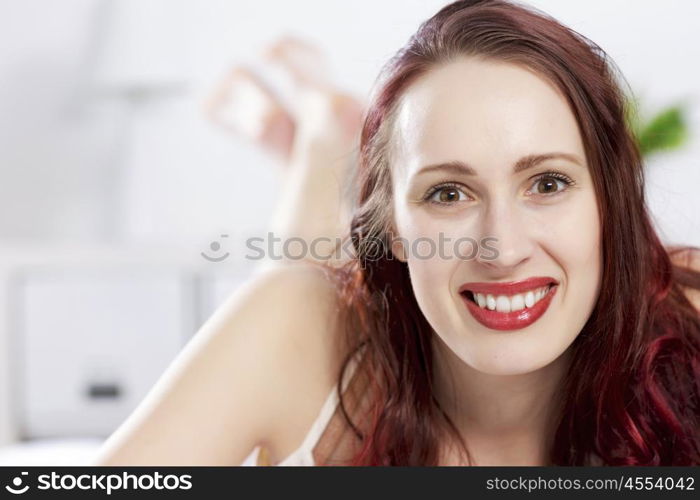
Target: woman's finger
x,y
243,104
305,63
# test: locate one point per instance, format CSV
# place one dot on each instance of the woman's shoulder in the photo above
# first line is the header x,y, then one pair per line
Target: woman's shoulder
x,y
296,308
688,258
293,288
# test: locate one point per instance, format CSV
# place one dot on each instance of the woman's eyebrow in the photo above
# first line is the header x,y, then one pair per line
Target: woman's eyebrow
x,y
529,161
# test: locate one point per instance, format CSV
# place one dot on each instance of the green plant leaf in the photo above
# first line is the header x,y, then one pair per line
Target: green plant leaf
x,y
667,130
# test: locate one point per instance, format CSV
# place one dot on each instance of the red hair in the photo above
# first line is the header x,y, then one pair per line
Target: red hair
x,y
632,393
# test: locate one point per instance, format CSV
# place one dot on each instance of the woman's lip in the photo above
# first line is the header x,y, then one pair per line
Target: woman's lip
x,y
508,288
512,320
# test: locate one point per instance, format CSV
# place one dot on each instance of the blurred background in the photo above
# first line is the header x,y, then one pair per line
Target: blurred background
x,y
113,182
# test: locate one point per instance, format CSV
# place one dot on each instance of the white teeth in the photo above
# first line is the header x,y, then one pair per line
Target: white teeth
x,y
503,303
517,302
490,302
529,299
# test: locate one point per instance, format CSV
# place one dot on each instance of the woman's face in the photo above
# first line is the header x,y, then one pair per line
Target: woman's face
x,y
489,152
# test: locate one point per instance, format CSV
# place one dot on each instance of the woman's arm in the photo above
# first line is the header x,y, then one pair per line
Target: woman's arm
x,y
255,374
315,204
316,142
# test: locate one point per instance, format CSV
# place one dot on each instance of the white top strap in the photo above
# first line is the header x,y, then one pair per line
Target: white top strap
x,y
304,454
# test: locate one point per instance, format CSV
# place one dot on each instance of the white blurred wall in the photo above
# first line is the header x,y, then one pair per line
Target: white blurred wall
x,y
79,162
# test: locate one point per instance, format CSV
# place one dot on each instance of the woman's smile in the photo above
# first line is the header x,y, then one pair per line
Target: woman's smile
x,y
509,306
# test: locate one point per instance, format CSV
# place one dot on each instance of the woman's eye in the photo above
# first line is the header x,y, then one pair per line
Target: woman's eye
x,y
447,194
549,184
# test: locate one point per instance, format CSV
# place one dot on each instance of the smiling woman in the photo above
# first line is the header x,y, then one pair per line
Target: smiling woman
x,y
576,345
526,184
573,343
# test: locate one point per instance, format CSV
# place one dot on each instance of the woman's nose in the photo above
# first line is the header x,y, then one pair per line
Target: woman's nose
x,y
510,244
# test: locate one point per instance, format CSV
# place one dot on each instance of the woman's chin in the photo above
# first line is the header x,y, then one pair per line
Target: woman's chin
x,y
504,366
511,360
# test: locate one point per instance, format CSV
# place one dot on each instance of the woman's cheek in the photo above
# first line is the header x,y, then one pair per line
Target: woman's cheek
x,y
432,264
570,229
571,236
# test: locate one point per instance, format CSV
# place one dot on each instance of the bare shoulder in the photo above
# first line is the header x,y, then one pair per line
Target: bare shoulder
x,y
686,257
256,373
689,258
305,347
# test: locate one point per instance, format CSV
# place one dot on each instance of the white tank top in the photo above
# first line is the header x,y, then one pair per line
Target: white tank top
x,y
303,455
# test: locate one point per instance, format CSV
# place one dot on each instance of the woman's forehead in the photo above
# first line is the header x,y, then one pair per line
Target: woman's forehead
x,y
483,112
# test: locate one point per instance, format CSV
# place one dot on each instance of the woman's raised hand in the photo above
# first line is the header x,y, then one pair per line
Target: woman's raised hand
x,y
318,112
315,135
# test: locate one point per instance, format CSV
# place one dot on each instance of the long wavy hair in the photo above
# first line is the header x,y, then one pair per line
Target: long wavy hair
x,y
632,392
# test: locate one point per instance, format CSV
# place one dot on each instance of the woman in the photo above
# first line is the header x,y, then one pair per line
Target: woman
x,y
569,341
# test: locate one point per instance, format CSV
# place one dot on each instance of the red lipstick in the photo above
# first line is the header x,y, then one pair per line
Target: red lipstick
x,y
513,320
